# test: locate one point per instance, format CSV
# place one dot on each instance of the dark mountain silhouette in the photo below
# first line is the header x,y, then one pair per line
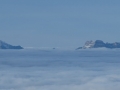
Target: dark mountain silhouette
x,y
4,45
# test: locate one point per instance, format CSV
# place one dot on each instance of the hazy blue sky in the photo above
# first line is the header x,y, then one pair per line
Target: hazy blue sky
x,y
59,23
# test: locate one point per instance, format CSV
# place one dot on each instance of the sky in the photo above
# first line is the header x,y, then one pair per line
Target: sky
x,y
59,23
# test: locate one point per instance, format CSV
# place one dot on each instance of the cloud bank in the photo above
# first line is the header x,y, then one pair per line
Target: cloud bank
x,y
59,70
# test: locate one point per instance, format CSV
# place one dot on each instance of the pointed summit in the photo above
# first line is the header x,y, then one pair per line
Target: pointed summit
x,y
4,45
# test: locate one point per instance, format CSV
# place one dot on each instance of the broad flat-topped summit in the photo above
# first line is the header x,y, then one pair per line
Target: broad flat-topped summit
x,y
4,45
99,44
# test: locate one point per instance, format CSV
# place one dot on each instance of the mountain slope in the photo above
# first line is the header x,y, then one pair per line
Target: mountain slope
x,y
4,45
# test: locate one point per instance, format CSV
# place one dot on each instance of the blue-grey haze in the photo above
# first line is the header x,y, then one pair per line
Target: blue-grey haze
x,y
58,23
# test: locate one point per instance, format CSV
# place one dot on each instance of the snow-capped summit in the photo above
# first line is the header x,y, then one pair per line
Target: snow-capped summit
x,y
4,45
89,44
99,44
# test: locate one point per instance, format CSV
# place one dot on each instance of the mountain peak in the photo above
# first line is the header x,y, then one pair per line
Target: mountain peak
x,y
99,44
4,45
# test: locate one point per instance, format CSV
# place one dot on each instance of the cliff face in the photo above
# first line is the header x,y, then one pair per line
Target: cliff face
x,y
99,44
4,45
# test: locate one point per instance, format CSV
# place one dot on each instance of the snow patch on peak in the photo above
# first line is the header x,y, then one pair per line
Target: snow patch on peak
x,y
89,44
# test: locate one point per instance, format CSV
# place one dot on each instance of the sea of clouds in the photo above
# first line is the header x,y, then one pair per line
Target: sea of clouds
x,y
31,69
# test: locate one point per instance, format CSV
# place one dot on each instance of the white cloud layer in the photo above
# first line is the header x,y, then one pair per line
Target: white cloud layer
x,y
60,70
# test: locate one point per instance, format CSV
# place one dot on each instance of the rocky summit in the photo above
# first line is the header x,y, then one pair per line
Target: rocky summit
x,y
4,45
99,44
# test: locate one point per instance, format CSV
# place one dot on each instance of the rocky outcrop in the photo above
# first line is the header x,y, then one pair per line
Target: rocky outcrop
x,y
4,45
99,44
89,44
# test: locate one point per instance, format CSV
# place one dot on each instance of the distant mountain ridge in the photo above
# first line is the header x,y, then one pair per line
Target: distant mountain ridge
x,y
4,45
99,44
